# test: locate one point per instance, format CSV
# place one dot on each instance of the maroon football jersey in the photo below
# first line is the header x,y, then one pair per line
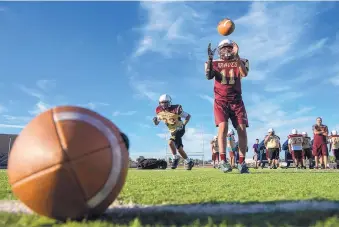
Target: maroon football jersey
x,y
319,139
227,84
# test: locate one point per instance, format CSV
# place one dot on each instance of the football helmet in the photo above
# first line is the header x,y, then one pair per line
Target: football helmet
x,y
225,49
304,134
294,131
334,132
215,137
270,130
165,101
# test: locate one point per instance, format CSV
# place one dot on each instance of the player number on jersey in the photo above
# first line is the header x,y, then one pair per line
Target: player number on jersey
x,y
229,75
296,140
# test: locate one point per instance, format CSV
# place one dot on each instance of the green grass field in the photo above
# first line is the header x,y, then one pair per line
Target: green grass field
x,y
258,199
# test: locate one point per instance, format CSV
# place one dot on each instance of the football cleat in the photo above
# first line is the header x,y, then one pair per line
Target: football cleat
x,y
225,167
190,165
175,163
243,168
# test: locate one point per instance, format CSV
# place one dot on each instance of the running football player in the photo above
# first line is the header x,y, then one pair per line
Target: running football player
x,y
307,150
295,143
319,149
171,115
273,147
231,147
215,151
334,146
228,103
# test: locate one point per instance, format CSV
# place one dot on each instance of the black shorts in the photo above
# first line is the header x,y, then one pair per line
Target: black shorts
x,y
307,153
336,154
298,154
273,153
176,137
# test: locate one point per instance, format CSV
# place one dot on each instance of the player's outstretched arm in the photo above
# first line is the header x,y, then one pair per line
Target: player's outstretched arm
x,y
187,119
156,120
209,72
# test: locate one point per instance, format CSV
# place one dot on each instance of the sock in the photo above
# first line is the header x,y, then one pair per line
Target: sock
x,y
241,160
187,159
223,157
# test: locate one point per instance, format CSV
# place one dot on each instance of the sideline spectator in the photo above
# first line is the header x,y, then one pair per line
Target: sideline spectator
x,y
273,147
256,153
215,151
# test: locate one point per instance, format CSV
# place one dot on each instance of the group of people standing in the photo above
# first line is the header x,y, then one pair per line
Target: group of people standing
x,y
231,146
299,145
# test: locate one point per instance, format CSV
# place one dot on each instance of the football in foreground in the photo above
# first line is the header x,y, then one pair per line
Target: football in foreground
x,y
68,163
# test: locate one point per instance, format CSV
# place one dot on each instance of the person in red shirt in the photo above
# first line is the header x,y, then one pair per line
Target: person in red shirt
x,y
227,73
319,149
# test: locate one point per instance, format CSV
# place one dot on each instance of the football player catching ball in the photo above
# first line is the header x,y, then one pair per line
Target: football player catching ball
x,y
171,115
228,104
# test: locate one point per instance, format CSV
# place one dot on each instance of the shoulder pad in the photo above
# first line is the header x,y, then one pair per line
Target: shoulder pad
x,y
158,109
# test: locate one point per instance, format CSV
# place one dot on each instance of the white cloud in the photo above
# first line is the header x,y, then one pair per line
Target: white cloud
x,y
95,105
164,29
335,80
208,98
16,119
128,113
46,85
39,108
31,92
3,9
2,109
145,125
304,110
265,113
276,88
145,88
11,126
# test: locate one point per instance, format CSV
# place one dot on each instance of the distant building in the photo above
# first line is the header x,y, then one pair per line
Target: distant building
x,y
6,143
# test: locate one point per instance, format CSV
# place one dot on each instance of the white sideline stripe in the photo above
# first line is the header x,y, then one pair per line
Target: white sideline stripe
x,y
115,149
199,209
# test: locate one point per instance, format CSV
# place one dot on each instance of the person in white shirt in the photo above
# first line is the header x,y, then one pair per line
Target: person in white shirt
x,y
295,143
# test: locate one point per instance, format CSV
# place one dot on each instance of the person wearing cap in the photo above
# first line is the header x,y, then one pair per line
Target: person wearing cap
x,y
334,146
273,147
215,151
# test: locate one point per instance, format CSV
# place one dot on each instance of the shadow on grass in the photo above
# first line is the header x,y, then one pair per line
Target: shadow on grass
x,y
285,213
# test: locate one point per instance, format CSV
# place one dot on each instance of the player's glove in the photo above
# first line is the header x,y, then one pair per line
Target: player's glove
x,y
210,52
155,120
235,50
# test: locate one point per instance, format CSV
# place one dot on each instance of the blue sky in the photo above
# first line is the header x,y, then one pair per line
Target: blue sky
x,y
117,58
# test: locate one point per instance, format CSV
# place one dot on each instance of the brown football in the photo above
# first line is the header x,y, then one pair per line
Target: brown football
x,y
226,27
68,163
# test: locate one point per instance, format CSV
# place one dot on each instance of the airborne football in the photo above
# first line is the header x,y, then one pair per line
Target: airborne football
x,y
226,27
153,114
